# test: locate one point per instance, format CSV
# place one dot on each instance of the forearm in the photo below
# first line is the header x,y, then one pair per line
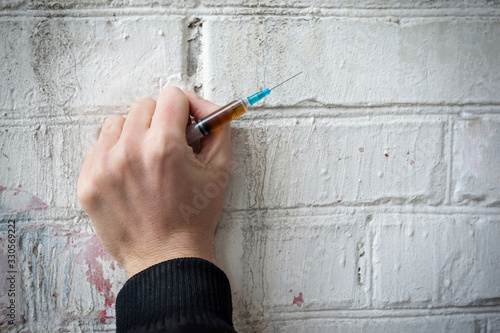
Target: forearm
x,y
136,181
180,295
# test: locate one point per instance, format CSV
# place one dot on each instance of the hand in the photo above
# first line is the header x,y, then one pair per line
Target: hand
x,y
149,196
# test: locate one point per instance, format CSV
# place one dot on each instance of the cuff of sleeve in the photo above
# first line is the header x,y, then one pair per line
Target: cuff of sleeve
x,y
174,290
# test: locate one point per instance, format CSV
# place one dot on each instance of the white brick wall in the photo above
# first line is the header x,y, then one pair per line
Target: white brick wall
x,y
364,197
66,66
370,60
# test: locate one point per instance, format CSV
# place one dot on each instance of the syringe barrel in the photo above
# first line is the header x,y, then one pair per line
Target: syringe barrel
x,y
216,119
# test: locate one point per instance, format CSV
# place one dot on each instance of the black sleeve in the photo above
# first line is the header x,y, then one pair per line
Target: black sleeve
x,y
179,295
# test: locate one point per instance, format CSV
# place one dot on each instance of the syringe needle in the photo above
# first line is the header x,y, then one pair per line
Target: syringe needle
x,y
285,81
225,114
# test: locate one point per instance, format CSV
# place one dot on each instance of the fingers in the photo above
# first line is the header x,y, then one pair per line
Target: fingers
x,y
86,166
171,113
218,143
108,136
198,106
139,118
110,132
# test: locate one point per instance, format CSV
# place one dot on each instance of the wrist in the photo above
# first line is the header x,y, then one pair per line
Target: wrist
x,y
180,247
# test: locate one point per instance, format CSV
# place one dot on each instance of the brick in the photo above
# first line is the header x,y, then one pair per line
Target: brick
x,y
370,4
421,261
70,145
26,162
476,162
354,4
494,324
255,3
300,162
294,264
423,4
117,4
59,65
316,258
45,151
354,61
11,4
372,325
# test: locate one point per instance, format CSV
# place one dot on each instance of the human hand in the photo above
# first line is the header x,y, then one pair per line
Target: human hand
x,y
148,195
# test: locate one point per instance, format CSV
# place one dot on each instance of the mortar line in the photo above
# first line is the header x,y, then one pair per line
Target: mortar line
x,y
280,113
449,155
448,13
469,107
331,209
185,47
386,313
50,214
369,231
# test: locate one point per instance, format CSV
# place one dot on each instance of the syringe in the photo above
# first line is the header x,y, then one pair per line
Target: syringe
x,y
225,114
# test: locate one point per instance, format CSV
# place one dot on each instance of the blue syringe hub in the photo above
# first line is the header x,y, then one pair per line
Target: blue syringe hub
x,y
258,96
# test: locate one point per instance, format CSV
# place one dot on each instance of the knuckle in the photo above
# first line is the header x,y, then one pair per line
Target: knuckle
x,y
226,161
161,152
143,102
127,144
223,161
111,123
122,160
107,170
100,175
87,195
159,145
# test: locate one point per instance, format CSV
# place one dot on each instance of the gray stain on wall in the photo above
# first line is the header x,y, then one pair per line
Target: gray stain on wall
x,y
54,63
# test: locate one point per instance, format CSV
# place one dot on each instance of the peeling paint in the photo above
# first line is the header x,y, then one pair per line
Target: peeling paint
x,y
90,253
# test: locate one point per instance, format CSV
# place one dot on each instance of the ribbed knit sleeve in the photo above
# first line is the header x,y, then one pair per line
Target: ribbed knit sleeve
x,y
179,295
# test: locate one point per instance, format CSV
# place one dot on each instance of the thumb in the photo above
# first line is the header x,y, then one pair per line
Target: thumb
x,y
216,145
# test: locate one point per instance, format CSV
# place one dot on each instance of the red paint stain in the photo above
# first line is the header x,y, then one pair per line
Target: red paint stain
x,y
339,201
36,203
408,153
291,290
412,162
298,300
91,250
103,317
24,201
386,155
361,150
